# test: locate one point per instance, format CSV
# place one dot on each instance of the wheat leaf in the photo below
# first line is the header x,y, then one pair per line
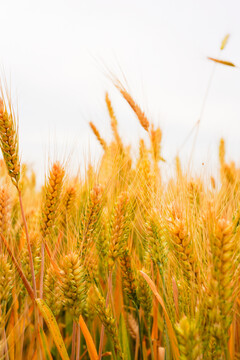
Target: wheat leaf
x,y
53,328
224,42
171,332
44,344
89,341
223,62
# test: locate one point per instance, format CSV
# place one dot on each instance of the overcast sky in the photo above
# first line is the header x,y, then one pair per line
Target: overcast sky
x,y
55,53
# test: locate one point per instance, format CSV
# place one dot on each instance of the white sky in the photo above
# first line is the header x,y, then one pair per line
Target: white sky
x,y
54,54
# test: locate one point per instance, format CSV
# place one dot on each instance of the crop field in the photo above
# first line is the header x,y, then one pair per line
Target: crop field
x,y
119,263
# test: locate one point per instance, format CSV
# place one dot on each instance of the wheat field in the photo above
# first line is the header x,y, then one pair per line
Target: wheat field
x,y
118,263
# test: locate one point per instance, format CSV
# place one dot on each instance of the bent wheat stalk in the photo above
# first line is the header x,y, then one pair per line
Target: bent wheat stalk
x,y
9,147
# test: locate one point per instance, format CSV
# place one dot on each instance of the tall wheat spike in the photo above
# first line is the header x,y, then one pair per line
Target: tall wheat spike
x,y
97,134
114,122
9,142
135,107
53,190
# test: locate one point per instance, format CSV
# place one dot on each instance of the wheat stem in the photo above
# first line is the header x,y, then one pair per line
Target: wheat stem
x,y
73,340
102,327
78,343
42,270
28,244
150,342
140,333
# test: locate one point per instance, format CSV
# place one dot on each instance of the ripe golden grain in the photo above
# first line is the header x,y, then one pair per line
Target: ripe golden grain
x,y
9,142
183,232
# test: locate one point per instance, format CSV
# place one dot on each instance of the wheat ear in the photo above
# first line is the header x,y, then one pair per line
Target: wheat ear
x,y
9,143
98,136
135,107
114,122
